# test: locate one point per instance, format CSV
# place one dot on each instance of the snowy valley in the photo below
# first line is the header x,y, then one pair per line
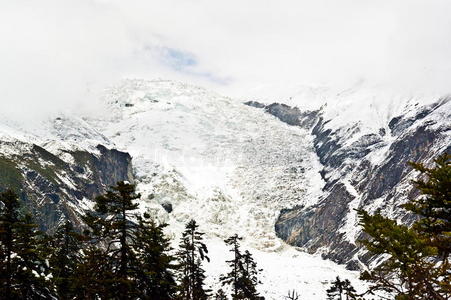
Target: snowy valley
x,y
284,176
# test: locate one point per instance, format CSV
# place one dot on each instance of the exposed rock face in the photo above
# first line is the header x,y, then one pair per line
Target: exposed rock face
x,y
370,172
316,227
167,206
56,189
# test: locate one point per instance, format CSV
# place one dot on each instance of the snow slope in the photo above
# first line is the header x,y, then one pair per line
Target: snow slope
x,y
233,167
229,166
369,106
364,137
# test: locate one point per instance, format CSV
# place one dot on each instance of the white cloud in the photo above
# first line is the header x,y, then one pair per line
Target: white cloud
x,y
57,53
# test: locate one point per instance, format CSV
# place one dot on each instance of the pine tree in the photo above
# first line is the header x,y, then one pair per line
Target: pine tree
x,y
9,205
341,290
434,225
156,268
94,275
233,277
243,274
32,274
112,226
192,252
250,276
199,290
418,256
293,295
65,245
434,208
220,295
25,273
408,270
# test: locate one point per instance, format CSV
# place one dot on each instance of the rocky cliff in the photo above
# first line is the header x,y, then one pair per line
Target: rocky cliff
x,y
367,171
55,188
256,170
259,170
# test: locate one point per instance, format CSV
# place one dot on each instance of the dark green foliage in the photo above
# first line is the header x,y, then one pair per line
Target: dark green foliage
x,y
233,277
9,205
192,252
293,295
243,272
249,276
121,256
408,270
220,295
94,275
65,246
10,175
341,290
112,227
155,278
434,206
24,272
31,269
418,257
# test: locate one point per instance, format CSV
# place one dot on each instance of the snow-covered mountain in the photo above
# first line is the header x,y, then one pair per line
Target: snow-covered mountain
x,y
272,174
364,140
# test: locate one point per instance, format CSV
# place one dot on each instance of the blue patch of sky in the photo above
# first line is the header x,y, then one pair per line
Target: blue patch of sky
x,y
185,62
179,60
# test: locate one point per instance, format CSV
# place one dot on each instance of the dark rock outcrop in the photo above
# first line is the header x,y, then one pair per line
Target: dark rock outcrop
x,y
255,104
315,225
383,184
53,189
167,206
287,114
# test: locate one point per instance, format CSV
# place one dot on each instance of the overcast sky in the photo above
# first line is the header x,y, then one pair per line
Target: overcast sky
x,y
57,53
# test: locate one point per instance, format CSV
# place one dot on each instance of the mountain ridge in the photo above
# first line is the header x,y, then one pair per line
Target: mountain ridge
x,y
234,168
357,178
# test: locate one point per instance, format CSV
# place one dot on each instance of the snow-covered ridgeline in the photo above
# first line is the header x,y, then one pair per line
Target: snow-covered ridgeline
x,y
365,148
229,166
370,106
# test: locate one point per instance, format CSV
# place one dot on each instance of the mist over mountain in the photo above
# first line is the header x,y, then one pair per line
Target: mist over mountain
x,y
274,121
276,174
61,55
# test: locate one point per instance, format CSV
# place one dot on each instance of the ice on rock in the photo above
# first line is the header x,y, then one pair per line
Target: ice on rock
x,y
229,166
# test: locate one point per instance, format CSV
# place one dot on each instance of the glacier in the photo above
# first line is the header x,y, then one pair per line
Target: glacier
x,y
228,166
231,167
